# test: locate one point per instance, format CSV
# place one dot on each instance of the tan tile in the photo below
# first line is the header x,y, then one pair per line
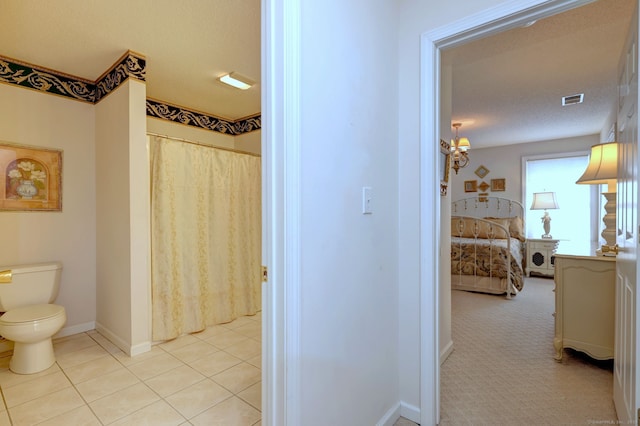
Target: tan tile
x,y
197,398
72,343
73,358
79,416
174,380
36,388
106,384
252,330
227,339
157,414
9,378
193,351
245,350
106,344
238,377
232,411
154,366
238,322
127,360
256,361
211,331
4,419
253,395
171,345
45,407
122,403
89,370
215,363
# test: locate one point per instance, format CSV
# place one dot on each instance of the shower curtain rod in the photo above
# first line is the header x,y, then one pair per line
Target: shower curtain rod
x,y
238,151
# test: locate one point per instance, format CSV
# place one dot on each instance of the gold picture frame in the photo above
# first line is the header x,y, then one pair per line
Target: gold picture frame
x,y
470,186
498,184
482,171
30,178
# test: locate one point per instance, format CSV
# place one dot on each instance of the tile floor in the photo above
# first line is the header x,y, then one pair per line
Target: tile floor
x,y
207,378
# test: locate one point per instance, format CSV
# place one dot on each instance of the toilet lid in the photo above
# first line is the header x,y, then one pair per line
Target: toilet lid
x,y
31,313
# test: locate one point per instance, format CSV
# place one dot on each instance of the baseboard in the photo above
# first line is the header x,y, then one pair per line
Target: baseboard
x,y
390,417
76,329
123,345
444,354
410,412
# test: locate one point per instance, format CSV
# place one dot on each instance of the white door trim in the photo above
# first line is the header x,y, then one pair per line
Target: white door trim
x,y
281,212
510,14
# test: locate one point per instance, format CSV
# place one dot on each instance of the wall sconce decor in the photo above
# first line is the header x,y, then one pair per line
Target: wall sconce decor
x,y
459,148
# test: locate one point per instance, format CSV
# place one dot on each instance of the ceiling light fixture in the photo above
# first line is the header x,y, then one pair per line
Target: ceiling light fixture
x,y
459,148
236,80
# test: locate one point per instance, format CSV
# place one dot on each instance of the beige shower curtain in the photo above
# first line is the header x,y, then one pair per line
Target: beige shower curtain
x,y
205,236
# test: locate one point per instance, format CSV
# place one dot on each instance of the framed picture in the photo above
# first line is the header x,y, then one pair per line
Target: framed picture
x,y
445,166
483,197
498,184
30,178
470,186
483,186
482,171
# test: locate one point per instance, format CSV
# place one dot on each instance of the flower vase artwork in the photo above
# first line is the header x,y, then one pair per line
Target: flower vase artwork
x,y
26,180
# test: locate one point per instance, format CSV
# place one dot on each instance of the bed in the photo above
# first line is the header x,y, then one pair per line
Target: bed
x,y
487,245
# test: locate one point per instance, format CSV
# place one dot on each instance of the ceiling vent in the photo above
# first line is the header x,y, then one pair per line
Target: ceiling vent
x,y
573,99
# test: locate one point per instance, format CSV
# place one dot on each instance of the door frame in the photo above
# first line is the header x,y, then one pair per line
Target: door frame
x,y
512,14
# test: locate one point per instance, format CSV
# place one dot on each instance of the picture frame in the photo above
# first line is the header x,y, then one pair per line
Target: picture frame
x,y
30,178
498,184
483,197
445,166
483,186
482,171
470,186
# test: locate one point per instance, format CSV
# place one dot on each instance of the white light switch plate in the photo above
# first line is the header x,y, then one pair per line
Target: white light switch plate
x,y
366,200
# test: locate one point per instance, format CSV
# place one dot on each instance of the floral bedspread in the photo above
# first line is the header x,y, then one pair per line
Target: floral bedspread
x,y
487,258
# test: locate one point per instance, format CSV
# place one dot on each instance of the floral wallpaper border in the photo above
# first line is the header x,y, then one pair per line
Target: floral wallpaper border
x,y
177,114
130,65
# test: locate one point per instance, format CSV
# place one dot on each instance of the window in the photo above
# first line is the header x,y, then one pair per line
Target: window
x,y
574,223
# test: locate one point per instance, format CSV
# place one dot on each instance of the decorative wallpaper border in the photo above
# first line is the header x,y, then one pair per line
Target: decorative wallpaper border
x,y
181,115
130,65
45,80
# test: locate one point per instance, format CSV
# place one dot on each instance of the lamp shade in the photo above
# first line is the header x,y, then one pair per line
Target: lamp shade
x,y
544,201
603,164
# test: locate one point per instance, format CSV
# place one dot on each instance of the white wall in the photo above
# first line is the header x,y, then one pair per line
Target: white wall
x,y
506,162
349,281
249,142
122,187
32,118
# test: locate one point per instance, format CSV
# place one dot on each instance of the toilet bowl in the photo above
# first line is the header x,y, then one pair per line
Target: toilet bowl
x,y
31,328
30,318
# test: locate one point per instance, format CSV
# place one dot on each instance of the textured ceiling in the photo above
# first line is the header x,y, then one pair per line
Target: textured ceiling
x,y
187,43
508,88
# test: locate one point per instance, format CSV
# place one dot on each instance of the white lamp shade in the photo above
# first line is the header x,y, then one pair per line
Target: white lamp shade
x,y
603,164
544,201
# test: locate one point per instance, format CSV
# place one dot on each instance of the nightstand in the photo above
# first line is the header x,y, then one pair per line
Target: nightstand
x,y
540,256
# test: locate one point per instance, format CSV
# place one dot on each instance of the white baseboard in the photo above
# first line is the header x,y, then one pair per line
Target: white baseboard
x,y
126,347
444,354
390,417
410,412
76,329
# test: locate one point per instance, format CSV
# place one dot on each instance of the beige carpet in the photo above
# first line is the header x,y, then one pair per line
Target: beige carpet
x,y
502,370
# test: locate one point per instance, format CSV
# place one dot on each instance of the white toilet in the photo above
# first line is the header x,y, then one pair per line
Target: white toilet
x,y
30,318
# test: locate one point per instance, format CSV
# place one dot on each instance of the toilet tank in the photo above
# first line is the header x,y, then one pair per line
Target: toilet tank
x,y
22,285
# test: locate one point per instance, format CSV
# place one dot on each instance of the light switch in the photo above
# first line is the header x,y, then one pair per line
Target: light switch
x,y
366,200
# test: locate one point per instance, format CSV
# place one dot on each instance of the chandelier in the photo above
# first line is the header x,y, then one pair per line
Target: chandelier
x,y
459,148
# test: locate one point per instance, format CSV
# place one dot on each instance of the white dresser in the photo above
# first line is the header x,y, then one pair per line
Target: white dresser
x,y
585,305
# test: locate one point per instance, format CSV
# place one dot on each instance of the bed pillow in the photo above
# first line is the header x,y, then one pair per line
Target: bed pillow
x,y
484,228
516,226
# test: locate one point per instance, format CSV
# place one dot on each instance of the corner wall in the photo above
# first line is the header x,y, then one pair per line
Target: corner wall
x,y
32,118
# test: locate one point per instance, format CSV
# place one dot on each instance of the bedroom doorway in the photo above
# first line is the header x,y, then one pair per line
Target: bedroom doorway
x,y
432,43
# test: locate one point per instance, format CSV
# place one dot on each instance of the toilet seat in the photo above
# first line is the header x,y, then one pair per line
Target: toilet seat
x,y
27,314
